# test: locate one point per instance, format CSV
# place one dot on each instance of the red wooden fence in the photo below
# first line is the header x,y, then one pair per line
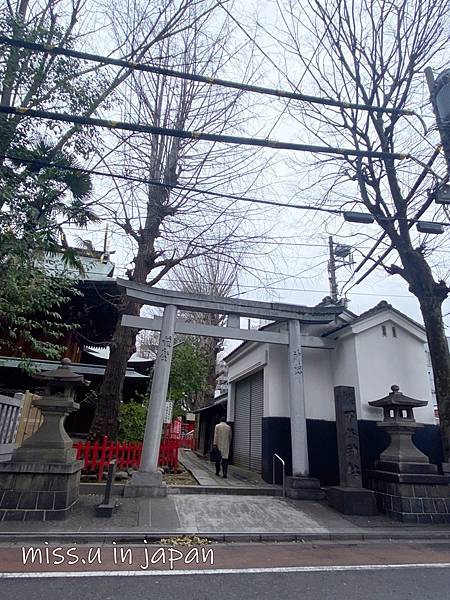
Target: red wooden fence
x,y
97,456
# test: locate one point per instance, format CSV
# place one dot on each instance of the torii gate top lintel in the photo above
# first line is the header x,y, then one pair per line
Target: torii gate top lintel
x,y
215,304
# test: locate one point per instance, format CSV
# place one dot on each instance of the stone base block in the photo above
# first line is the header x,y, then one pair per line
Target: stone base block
x,y
38,491
48,455
406,468
151,491
105,510
412,501
352,501
304,488
146,484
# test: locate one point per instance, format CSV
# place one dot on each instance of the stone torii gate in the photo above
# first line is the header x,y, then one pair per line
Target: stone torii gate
x,y
147,481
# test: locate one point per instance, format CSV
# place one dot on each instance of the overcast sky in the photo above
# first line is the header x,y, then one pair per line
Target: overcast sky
x,y
290,265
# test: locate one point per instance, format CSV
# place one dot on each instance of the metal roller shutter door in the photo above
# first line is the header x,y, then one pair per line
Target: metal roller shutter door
x,y
249,409
241,433
256,415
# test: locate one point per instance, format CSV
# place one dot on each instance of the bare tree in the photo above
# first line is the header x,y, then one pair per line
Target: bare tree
x,y
147,343
45,81
165,224
374,52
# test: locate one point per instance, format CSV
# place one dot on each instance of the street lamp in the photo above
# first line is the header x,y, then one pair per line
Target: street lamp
x,y
429,227
358,217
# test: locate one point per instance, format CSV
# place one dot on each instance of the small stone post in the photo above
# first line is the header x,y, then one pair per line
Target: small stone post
x,y
41,482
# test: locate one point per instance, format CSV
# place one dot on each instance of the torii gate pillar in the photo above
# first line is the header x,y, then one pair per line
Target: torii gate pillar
x,y
300,485
148,480
300,466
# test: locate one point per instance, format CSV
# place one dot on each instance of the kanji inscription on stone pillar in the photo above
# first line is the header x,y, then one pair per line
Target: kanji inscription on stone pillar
x,y
347,437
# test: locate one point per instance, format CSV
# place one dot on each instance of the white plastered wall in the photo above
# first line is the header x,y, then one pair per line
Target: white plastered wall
x,y
387,360
365,360
345,367
317,379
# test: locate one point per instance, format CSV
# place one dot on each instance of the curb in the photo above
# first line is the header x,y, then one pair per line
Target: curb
x,y
218,489
118,489
236,537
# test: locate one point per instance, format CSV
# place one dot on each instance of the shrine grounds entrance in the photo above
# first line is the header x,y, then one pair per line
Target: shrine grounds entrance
x,y
148,480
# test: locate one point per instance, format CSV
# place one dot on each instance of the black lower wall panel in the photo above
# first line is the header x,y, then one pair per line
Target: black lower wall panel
x,y
276,439
322,451
322,445
428,439
373,441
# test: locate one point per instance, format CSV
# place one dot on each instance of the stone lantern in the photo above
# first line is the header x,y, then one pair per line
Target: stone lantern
x,y
41,482
51,442
407,486
400,424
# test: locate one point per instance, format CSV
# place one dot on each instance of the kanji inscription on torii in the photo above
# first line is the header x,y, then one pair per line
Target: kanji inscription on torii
x,y
165,348
347,437
297,361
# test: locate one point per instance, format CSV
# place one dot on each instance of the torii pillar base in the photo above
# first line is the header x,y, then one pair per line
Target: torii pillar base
x,y
146,484
304,488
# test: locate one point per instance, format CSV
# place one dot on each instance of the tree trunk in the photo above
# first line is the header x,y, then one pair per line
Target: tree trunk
x,y
106,418
7,128
440,359
431,294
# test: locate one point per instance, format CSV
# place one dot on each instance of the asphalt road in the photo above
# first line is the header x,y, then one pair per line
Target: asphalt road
x,y
413,583
382,570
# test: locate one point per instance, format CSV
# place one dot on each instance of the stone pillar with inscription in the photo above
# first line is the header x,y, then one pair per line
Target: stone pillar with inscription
x,y
147,481
349,497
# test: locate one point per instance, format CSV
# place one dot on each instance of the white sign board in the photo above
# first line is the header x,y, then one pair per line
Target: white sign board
x,y
168,412
190,417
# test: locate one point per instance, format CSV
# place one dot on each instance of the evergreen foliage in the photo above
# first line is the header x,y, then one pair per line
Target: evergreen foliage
x,y
37,200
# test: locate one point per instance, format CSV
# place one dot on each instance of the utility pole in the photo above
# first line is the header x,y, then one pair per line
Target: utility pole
x,y
332,271
440,99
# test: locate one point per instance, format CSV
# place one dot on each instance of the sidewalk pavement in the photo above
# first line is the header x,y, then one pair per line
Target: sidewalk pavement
x,y
239,516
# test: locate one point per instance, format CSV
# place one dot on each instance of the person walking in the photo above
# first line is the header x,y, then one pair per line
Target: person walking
x,y
221,446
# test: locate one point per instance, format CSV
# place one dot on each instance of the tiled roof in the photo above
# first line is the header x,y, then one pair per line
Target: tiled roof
x,y
379,308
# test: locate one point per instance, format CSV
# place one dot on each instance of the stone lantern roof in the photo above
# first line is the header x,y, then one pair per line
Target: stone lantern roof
x,y
63,376
397,398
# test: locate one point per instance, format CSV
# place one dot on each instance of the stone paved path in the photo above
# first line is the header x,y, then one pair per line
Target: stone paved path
x,y
204,471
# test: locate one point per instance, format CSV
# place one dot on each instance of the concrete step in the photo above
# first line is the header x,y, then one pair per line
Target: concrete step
x,y
118,489
309,483
305,494
99,488
304,488
218,489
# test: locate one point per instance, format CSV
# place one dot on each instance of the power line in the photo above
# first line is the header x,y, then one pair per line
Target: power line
x,y
60,166
59,50
132,178
336,211
307,70
196,135
309,290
